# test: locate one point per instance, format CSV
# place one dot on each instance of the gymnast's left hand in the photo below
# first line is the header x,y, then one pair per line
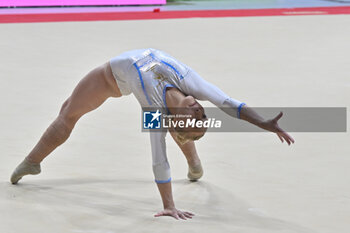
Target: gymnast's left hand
x,y
272,125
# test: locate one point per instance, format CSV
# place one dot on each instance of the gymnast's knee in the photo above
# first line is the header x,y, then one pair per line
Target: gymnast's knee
x,y
67,116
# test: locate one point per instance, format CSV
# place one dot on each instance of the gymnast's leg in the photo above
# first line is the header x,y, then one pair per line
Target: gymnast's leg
x,y
195,170
90,93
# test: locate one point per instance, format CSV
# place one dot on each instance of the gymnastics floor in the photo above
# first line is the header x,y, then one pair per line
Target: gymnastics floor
x,y
101,181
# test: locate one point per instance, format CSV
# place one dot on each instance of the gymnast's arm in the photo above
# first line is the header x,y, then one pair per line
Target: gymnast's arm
x,y
200,89
161,170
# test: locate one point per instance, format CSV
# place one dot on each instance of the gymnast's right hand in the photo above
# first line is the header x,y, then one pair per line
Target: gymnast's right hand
x,y
175,213
168,203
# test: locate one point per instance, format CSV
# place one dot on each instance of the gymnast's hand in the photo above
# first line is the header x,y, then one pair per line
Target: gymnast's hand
x,y
175,213
248,114
272,125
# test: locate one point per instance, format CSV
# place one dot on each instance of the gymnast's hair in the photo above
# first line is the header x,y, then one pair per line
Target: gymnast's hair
x,y
183,135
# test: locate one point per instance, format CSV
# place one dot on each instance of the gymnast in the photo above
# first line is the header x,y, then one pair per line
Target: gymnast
x,y
157,80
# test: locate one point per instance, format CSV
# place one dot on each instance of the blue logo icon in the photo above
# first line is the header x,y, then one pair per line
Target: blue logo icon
x,y
151,120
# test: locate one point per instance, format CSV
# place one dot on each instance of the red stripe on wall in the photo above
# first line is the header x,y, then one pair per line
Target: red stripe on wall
x,y
105,16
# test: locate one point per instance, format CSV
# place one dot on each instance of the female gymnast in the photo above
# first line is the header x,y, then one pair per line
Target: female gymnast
x,y
157,80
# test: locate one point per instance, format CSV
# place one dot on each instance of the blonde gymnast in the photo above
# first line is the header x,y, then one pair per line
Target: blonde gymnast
x,y
157,80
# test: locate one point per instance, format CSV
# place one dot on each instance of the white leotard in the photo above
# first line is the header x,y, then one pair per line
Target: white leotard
x,y
147,73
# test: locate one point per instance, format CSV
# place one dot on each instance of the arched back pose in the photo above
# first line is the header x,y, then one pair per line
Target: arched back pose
x,y
157,80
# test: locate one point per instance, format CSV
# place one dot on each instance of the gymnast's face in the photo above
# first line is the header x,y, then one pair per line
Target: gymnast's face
x,y
189,106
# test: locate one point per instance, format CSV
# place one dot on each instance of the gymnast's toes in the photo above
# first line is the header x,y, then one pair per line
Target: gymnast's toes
x,y
25,168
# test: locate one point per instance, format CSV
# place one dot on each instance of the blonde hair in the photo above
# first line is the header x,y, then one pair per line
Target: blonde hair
x,y
182,137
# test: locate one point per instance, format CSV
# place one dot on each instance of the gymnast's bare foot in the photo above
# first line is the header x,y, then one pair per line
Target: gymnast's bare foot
x,y
25,168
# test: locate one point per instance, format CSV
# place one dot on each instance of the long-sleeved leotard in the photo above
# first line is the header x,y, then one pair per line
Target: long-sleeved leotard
x,y
147,73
